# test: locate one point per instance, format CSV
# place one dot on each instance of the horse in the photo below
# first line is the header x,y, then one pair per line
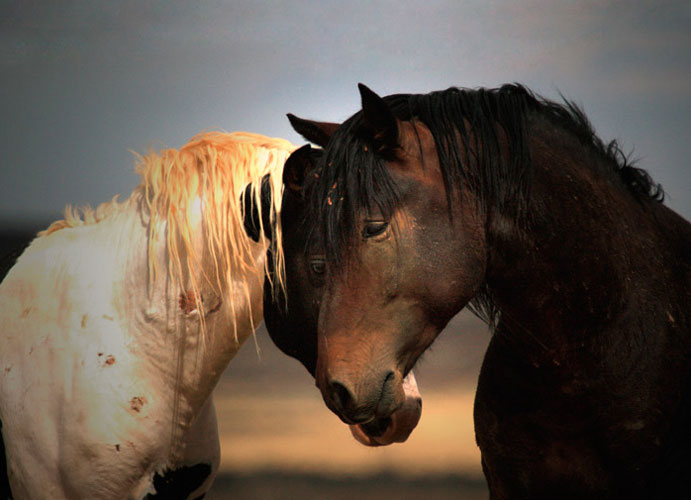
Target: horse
x,y
290,311
510,204
117,323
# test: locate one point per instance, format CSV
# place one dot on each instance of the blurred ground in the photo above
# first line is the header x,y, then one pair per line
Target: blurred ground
x,y
279,486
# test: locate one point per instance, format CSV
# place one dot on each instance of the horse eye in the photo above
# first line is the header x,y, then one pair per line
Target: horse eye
x,y
374,228
317,265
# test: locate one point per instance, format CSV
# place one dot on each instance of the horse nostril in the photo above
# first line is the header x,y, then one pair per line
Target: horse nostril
x,y
340,395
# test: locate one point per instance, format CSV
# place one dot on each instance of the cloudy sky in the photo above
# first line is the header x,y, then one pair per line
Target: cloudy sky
x,y
85,82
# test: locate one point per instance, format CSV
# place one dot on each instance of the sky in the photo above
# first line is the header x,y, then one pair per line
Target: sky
x,y
85,83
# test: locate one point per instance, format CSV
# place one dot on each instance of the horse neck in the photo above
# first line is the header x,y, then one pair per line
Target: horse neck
x,y
590,253
186,352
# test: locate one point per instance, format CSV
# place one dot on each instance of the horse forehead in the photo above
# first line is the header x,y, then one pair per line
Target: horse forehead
x,y
416,138
418,162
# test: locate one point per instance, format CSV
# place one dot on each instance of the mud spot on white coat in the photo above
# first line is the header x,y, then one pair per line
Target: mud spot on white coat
x,y
137,403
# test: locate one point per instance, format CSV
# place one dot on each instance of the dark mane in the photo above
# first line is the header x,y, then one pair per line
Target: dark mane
x,y
572,118
351,177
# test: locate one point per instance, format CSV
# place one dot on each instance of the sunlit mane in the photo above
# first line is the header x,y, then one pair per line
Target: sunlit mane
x,y
214,167
210,172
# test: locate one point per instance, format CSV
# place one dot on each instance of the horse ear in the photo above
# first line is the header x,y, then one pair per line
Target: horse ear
x,y
250,212
295,170
317,132
379,121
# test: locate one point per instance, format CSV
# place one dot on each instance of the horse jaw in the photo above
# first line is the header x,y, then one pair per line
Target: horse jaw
x,y
397,427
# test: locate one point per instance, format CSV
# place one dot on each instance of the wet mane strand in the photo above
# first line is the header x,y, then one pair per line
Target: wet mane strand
x,y
352,177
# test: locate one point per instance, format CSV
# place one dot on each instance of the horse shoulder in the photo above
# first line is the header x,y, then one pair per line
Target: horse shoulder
x,y
66,352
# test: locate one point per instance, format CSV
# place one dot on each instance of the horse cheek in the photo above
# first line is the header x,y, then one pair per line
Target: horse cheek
x,y
454,269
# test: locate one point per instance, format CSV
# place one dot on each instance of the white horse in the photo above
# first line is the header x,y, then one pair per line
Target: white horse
x,y
116,324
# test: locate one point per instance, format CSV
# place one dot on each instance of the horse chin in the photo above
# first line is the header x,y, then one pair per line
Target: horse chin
x,y
397,427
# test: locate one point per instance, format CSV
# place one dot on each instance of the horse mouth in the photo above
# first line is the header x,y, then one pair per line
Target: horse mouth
x,y
398,426
377,427
388,430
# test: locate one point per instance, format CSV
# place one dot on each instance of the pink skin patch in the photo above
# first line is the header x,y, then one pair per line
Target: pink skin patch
x,y
397,428
187,302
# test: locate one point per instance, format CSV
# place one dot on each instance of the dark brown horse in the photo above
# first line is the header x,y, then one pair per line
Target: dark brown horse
x,y
290,311
509,203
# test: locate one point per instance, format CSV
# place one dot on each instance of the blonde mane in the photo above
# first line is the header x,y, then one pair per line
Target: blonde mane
x,y
210,172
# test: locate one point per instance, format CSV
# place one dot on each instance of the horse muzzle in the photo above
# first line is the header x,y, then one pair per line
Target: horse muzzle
x,y
358,399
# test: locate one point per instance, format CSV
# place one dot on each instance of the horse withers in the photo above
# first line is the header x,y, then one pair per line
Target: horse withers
x,y
290,311
508,203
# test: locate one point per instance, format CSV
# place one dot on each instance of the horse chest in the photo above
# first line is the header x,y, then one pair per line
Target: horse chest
x,y
544,434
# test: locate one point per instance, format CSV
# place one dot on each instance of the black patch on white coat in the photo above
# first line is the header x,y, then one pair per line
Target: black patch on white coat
x,y
177,484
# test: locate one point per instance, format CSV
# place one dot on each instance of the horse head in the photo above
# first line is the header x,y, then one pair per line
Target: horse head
x,y
291,312
367,256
